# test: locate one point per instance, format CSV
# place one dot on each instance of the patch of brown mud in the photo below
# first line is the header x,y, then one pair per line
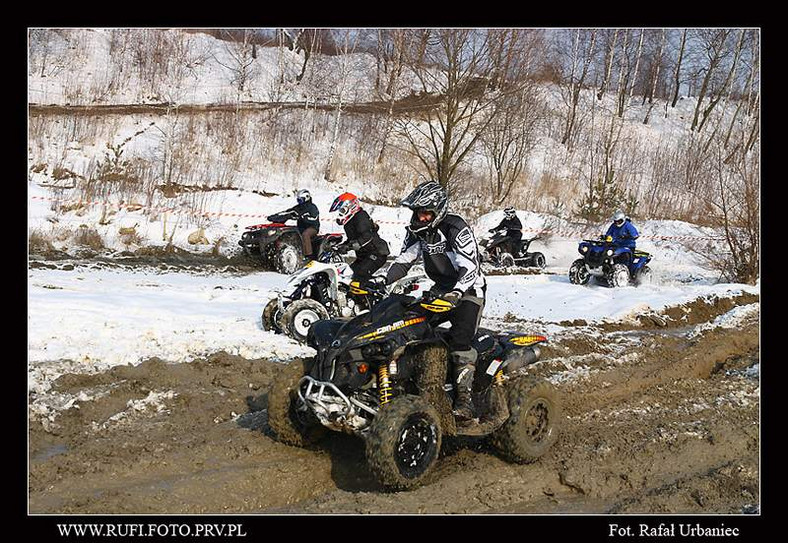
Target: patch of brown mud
x,y
698,311
199,443
660,359
673,429
515,270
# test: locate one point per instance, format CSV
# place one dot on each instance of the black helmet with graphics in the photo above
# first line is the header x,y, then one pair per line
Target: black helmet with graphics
x,y
429,202
303,196
509,213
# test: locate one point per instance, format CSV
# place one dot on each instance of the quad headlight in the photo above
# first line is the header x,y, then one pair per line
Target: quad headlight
x,y
610,252
584,248
271,231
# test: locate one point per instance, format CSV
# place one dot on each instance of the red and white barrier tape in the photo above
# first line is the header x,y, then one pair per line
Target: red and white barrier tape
x,y
567,234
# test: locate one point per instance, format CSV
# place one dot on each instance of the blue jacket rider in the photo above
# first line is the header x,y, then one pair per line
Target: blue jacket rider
x,y
622,231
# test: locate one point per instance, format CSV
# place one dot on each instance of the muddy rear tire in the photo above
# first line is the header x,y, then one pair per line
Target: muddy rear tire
x,y
538,260
271,316
618,276
291,425
288,256
403,442
533,423
300,315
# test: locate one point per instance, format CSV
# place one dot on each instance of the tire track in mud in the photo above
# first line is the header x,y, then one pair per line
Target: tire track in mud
x,y
657,421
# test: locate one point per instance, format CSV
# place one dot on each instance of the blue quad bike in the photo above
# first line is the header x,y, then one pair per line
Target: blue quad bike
x,y
610,264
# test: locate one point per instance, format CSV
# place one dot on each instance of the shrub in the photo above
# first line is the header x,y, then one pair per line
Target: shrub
x,y
89,237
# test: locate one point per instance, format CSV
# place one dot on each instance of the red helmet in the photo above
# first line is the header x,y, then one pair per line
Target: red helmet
x,y
346,205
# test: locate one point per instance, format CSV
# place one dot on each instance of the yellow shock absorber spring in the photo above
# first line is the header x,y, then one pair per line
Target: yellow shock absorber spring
x,y
498,378
384,384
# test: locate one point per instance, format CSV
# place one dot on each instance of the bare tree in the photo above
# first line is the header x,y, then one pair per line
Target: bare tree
x,y
627,74
677,71
40,50
456,68
610,55
713,44
346,41
714,99
510,139
240,62
580,57
652,89
393,45
735,201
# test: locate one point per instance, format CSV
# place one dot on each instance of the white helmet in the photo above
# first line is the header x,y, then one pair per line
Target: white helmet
x,y
303,196
619,216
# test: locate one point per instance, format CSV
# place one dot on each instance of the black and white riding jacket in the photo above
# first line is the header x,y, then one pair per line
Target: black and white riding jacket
x,y
450,254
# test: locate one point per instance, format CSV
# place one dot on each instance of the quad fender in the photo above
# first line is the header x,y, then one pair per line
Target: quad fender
x,y
622,252
316,268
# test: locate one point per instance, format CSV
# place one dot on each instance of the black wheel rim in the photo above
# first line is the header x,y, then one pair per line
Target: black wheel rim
x,y
537,421
417,445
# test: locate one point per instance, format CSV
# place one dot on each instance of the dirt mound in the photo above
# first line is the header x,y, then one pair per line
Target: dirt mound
x,y
171,259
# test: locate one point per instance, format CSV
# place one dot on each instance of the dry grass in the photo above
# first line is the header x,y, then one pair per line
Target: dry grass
x,y
38,243
89,237
129,236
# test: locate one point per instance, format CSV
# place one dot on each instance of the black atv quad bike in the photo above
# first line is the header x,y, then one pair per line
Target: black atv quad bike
x,y
495,252
384,376
279,246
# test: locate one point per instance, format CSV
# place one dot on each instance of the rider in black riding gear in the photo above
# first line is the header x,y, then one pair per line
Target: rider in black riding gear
x,y
451,258
307,219
514,231
362,236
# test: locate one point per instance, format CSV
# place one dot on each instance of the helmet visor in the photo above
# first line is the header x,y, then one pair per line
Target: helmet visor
x,y
422,218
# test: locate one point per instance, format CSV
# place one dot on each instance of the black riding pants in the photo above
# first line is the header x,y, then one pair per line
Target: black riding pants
x,y
366,265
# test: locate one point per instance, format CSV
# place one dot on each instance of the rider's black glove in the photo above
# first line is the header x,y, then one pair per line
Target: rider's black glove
x,y
452,296
342,248
377,283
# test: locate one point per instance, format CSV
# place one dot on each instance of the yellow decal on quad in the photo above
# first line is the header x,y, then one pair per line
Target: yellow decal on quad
x,y
525,341
309,264
355,288
437,306
391,327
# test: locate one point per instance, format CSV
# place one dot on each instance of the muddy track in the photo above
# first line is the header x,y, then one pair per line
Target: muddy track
x,y
657,420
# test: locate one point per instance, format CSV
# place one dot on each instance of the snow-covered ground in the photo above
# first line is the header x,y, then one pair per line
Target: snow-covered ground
x,y
85,319
88,319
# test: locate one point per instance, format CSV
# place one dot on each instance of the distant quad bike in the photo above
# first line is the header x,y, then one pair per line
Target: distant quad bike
x,y
278,245
384,377
323,289
610,264
494,252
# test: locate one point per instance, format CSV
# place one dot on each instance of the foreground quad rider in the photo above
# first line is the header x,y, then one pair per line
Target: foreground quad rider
x,y
362,237
622,232
514,230
307,218
448,248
